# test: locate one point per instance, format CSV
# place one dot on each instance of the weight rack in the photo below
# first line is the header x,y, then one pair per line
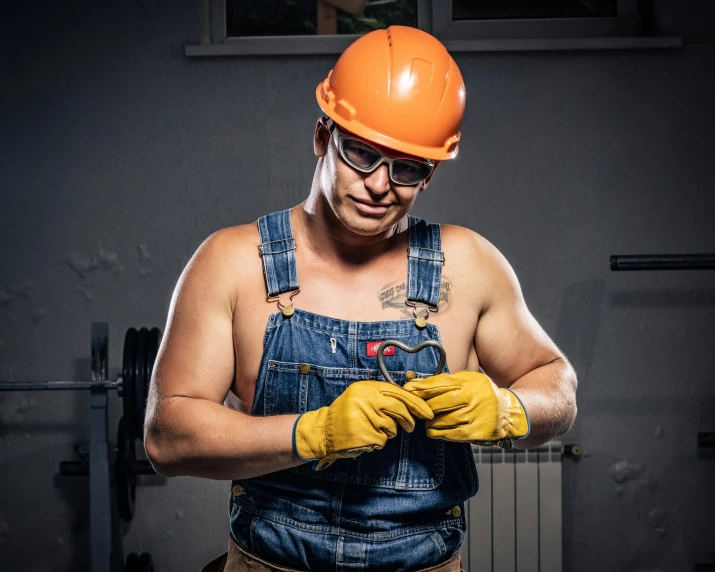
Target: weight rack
x,y
107,510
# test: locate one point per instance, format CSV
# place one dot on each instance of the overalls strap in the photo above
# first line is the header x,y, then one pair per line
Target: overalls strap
x,y
425,262
277,251
425,257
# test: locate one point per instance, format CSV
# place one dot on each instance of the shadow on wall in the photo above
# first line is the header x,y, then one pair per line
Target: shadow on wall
x,y
660,527
675,298
579,322
663,513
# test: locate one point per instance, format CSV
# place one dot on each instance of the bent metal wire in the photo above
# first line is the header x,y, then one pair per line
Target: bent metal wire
x,y
410,349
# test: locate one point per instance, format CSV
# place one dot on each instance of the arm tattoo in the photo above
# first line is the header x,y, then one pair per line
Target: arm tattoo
x,y
394,295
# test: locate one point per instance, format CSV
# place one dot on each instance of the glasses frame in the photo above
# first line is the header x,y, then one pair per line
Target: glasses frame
x,y
339,137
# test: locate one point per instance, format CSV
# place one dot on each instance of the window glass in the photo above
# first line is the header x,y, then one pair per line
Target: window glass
x,y
526,9
315,17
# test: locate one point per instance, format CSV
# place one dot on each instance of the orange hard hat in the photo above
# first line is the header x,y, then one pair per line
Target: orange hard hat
x,y
399,88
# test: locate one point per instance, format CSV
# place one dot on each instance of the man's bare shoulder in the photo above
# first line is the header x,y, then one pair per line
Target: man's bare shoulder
x,y
227,258
471,248
233,241
227,246
476,260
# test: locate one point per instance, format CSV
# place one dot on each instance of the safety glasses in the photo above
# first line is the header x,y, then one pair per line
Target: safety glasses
x,y
365,158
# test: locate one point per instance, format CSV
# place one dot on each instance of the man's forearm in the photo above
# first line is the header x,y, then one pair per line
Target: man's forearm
x,y
200,438
548,394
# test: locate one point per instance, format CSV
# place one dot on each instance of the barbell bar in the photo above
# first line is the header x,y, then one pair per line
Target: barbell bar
x,y
662,262
140,350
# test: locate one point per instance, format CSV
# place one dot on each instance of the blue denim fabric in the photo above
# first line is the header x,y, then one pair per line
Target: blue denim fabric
x,y
389,510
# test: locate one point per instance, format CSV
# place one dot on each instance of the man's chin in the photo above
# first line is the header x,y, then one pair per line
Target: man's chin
x,y
362,225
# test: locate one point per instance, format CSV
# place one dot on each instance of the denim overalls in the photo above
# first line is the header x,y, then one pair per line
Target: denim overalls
x,y
398,509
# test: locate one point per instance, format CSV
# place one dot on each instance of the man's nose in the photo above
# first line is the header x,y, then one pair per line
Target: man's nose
x,y
379,180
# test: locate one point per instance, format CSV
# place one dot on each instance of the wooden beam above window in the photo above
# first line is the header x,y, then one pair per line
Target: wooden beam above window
x,y
354,7
327,19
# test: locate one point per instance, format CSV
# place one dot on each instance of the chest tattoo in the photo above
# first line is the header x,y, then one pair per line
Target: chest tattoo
x,y
393,296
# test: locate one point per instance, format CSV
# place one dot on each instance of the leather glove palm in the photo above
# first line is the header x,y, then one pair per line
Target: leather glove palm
x,y
360,420
469,407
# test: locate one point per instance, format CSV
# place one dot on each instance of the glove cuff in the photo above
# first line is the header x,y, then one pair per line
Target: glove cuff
x,y
295,446
517,420
309,435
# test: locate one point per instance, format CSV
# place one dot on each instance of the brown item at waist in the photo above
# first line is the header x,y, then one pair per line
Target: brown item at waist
x,y
236,559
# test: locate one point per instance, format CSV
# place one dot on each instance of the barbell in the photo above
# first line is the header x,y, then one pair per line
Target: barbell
x,y
140,350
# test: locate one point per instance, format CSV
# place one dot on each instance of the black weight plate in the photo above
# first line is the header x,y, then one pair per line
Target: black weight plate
x,y
146,564
125,479
132,564
140,381
153,340
128,379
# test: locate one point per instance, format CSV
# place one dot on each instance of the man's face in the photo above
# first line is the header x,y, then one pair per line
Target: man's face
x,y
365,204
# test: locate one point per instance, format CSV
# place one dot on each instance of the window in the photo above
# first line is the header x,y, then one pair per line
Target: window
x,y
486,19
521,9
292,27
315,17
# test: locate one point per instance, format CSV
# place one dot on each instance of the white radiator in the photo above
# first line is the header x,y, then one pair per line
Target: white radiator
x,y
514,521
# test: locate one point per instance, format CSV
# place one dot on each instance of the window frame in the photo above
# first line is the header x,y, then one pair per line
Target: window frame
x,y
444,27
276,45
435,17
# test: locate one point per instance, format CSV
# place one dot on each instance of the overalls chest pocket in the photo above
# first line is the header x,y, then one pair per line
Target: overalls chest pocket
x,y
409,461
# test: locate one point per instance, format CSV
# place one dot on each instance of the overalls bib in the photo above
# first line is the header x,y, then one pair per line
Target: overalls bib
x,y
398,509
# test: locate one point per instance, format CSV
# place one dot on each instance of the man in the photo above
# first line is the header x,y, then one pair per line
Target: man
x,y
333,466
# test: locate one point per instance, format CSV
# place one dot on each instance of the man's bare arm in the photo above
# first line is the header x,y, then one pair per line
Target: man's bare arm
x,y
188,431
516,353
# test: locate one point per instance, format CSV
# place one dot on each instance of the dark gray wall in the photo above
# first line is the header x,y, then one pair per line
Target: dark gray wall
x,y
119,156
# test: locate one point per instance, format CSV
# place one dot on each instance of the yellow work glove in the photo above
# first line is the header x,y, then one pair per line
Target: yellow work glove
x,y
360,420
469,407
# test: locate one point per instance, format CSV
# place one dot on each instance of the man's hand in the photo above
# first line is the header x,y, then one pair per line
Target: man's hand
x,y
469,407
360,420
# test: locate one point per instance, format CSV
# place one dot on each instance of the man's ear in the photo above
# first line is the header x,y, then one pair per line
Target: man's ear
x,y
321,137
423,184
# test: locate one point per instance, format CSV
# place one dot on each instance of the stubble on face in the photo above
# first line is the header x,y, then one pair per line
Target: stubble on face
x,y
341,184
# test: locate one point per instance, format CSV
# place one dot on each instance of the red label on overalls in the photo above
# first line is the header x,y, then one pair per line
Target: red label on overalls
x,y
372,349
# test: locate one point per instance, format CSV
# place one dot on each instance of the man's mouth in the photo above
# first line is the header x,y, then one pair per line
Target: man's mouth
x,y
370,206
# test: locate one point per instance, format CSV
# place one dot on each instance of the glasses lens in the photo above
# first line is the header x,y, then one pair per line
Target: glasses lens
x,y
359,154
409,172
